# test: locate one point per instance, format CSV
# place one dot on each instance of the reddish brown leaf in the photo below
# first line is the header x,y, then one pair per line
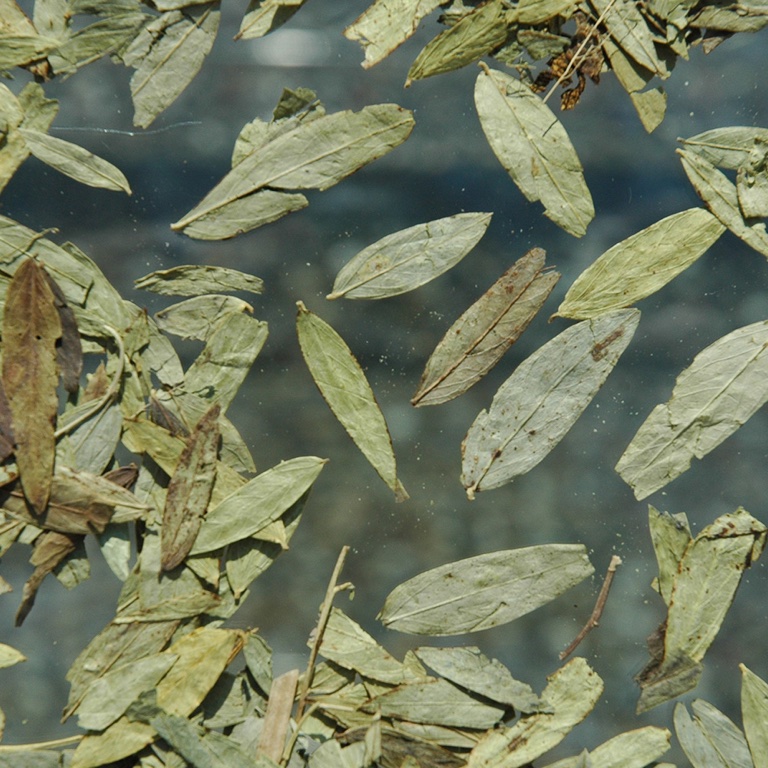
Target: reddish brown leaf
x,y
189,490
31,330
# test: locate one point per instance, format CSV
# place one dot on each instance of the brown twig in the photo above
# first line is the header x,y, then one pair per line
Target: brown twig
x,y
325,612
594,619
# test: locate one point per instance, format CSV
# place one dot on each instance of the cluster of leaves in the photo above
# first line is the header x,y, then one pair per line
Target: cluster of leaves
x,y
85,373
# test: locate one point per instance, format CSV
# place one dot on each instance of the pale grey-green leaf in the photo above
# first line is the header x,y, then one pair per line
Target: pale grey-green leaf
x,y
728,147
198,317
754,712
198,279
534,148
404,260
537,405
725,384
264,16
484,591
632,749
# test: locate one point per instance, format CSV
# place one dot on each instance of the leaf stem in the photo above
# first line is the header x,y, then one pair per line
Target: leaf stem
x,y
322,622
53,744
594,619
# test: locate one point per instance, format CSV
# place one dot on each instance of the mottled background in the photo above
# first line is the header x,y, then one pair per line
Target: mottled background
x,y
445,167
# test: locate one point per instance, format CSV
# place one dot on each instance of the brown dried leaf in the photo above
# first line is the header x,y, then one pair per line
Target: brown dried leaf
x,y
31,329
7,440
189,491
69,353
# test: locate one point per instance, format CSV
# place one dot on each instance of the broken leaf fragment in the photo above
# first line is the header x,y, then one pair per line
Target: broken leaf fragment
x,y
725,384
343,385
484,591
534,148
31,330
754,712
537,405
641,264
479,338
708,574
407,259
264,16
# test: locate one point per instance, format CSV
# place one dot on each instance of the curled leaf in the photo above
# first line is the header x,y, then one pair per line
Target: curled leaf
x,y
537,405
198,279
479,338
409,258
343,385
484,591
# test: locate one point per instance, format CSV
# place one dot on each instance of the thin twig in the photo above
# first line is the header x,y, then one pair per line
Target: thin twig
x,y
322,622
575,61
55,743
594,620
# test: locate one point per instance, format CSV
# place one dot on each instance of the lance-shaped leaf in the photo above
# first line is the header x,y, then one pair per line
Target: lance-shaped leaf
x,y
198,279
534,148
197,318
710,739
189,491
386,24
537,405
256,504
74,161
404,260
632,749
641,264
724,385
167,54
572,692
489,678
436,702
704,587
31,329
343,385
754,712
722,198
264,16
316,154
474,35
629,29
484,591
728,147
479,338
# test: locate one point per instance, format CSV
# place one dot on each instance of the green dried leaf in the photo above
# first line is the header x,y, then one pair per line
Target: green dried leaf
x,y
469,668
572,692
198,317
704,587
167,54
198,279
746,16
641,264
31,330
711,740
343,385
347,644
721,197
531,12
629,29
633,749
314,154
754,711
189,491
436,702
532,145
10,656
537,405
109,696
484,591
728,148
74,161
264,16
471,37
670,535
407,259
479,338
725,384
257,503
92,444
386,24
